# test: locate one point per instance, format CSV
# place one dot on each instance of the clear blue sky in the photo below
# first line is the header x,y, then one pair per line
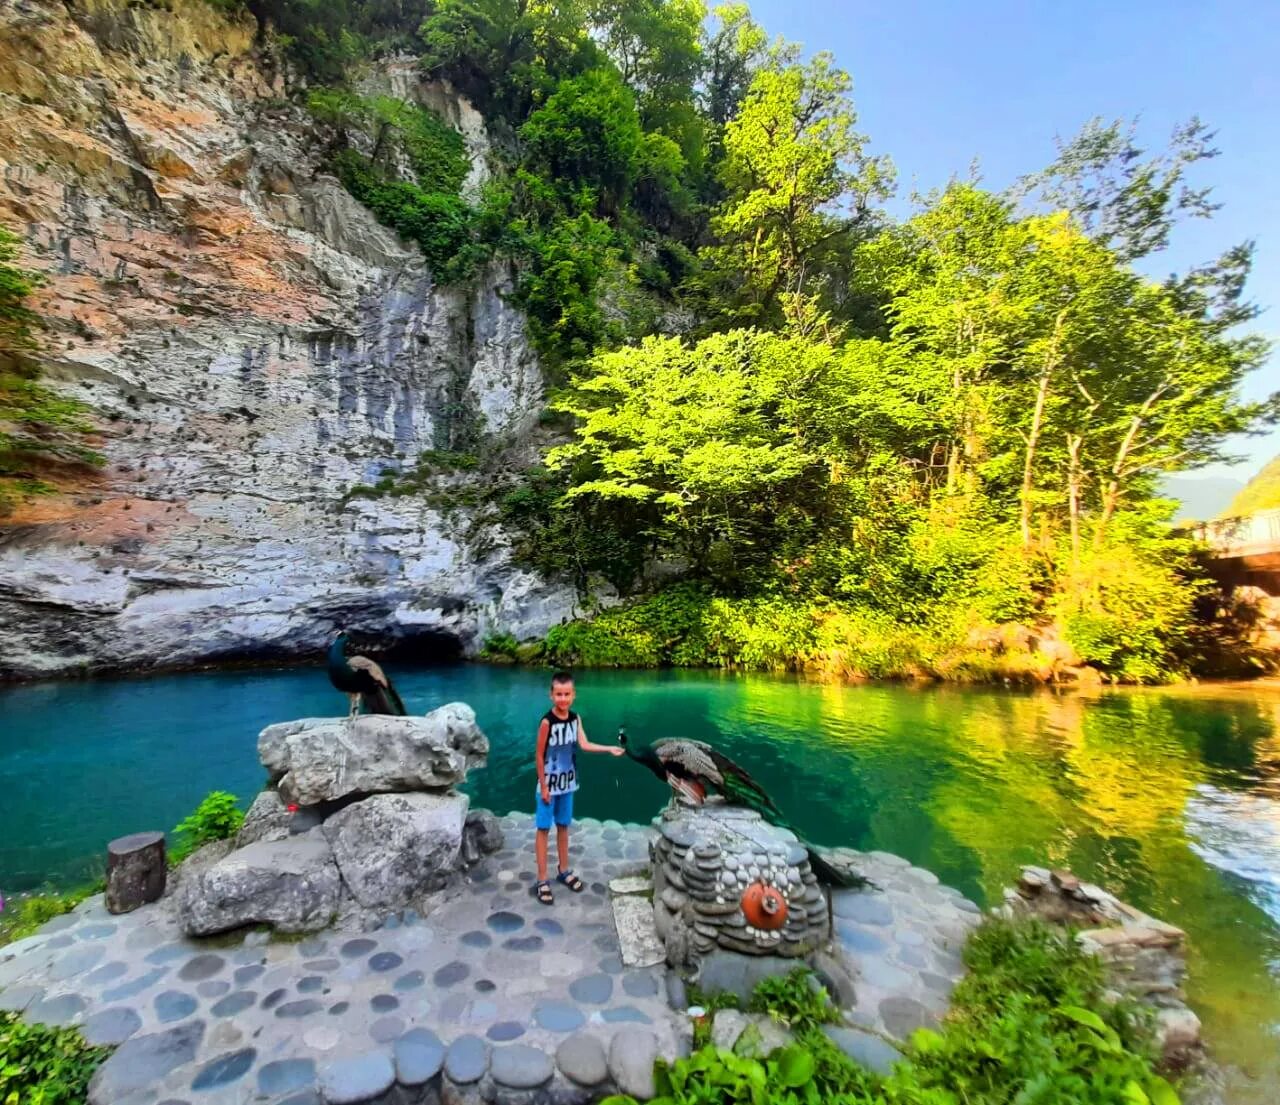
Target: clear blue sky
x,y
940,83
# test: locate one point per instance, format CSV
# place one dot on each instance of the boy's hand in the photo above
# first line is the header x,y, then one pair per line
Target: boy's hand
x,y
546,793
618,751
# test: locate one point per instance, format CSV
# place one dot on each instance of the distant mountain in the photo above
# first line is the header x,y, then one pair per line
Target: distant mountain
x,y
1260,493
1202,497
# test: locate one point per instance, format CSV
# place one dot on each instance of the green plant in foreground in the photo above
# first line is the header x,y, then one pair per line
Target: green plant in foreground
x,y
44,1066
216,818
795,999
1028,1024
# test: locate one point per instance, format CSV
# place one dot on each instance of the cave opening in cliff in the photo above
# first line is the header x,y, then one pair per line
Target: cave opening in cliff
x,y
425,648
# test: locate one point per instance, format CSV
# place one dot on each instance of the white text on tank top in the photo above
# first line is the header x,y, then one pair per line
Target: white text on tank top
x,y
559,758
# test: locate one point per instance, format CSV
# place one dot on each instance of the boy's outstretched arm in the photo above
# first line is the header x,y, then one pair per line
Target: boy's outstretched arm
x,y
587,746
541,757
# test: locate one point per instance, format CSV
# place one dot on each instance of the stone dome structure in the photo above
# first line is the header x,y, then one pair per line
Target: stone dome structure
x,y
710,860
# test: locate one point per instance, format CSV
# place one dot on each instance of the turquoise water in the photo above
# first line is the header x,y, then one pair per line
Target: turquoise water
x,y
1172,800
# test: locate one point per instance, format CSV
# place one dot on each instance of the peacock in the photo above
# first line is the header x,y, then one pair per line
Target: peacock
x,y
692,768
362,680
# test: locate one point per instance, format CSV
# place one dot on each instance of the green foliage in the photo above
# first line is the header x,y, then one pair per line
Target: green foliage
x,y
1030,1022
796,999
39,429
44,1066
587,135
499,646
507,55
566,263
216,818
23,916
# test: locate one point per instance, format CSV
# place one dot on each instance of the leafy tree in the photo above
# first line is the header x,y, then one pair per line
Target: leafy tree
x,y
506,54
1119,199
796,180
587,135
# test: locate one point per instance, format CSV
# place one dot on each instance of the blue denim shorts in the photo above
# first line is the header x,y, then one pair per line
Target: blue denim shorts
x,y
559,809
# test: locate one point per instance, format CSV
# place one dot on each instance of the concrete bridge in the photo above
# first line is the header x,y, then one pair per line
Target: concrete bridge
x,y
1246,550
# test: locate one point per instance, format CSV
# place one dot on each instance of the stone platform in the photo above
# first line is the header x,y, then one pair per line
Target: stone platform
x,y
491,997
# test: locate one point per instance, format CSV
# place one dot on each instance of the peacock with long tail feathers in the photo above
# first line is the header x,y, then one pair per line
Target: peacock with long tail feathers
x,y
362,681
692,768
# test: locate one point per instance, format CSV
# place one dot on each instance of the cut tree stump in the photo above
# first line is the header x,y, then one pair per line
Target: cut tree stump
x,y
136,870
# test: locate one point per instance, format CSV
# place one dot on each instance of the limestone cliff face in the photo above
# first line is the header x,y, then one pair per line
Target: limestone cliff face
x,y
256,345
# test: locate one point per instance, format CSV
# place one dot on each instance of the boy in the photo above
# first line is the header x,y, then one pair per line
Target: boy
x,y
560,735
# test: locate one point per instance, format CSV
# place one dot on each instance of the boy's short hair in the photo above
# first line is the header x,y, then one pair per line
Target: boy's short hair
x,y
561,678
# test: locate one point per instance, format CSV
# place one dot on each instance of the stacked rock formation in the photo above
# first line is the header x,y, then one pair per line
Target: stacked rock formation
x,y
363,819
1145,958
704,860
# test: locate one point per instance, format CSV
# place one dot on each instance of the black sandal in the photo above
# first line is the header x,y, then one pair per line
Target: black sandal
x,y
571,881
543,892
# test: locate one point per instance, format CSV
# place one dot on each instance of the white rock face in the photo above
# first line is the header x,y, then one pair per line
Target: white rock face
x,y
392,848
323,759
257,345
291,884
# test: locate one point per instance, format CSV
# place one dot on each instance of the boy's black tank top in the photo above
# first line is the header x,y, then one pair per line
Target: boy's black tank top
x,y
559,759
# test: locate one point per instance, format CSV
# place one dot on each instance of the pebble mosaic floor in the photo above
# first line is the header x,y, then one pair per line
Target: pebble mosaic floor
x,y
491,984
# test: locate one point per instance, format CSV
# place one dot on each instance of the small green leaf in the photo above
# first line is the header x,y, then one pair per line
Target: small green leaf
x,y
1134,1094
794,1066
1161,1093
926,1040
1086,1017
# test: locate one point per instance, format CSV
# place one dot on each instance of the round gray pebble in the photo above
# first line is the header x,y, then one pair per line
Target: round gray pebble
x,y
173,1005
581,1059
558,1016
419,1055
201,967
111,1027
520,1067
234,1003
592,989
467,1059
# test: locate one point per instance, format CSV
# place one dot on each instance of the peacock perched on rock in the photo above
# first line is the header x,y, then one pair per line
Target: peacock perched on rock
x,y
693,768
362,681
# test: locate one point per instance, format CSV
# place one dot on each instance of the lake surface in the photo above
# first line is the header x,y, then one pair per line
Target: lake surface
x,y
1171,799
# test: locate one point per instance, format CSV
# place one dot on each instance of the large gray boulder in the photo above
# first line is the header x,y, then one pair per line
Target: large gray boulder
x,y
267,819
291,884
322,759
392,848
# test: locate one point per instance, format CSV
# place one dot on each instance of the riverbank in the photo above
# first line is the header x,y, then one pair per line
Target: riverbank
x,y
1162,797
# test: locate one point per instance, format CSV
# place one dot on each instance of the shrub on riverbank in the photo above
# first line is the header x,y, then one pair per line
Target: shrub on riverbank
x,y
1028,1023
1128,633
216,818
44,1066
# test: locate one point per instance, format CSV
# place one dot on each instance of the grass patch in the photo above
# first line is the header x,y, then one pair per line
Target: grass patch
x,y
24,916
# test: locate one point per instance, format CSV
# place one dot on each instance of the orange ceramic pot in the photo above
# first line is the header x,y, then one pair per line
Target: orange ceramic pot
x,y
764,906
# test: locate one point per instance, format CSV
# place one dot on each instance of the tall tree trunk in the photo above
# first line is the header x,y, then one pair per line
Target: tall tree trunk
x,y
1033,440
1120,465
1074,442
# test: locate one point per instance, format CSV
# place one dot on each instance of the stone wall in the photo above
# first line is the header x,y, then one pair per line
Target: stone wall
x,y
1145,957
